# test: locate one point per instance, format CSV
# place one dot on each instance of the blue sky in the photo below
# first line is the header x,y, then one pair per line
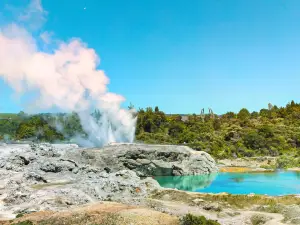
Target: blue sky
x,y
185,55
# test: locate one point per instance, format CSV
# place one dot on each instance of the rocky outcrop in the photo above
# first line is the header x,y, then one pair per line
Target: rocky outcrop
x,y
50,177
148,160
42,177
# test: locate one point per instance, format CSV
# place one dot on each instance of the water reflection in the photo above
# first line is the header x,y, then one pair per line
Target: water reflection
x,y
297,174
238,179
275,183
187,183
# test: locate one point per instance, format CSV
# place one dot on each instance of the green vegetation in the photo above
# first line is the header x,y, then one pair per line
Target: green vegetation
x,y
19,215
190,219
270,132
287,161
258,219
40,127
228,200
26,222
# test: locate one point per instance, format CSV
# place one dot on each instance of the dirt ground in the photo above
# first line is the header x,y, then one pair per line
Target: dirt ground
x,y
168,206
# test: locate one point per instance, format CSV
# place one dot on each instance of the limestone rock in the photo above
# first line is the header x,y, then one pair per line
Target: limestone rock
x,y
52,177
149,160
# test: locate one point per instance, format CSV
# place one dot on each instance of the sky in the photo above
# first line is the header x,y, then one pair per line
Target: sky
x,y
182,56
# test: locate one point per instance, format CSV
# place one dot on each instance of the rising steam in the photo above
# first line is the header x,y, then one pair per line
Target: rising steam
x,y
66,78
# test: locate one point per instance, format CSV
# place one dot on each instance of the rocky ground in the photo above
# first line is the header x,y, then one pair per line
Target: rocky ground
x,y
251,164
52,183
52,177
248,164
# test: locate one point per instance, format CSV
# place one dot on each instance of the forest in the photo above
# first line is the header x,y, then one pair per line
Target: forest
x,y
274,131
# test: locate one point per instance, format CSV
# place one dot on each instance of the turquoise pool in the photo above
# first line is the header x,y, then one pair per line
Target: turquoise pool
x,y
274,184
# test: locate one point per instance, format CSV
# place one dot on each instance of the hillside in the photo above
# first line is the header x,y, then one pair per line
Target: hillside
x,y
269,132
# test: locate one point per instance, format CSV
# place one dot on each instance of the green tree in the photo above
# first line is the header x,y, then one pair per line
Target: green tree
x,y
229,115
254,115
176,129
243,114
266,131
264,113
37,128
217,124
253,140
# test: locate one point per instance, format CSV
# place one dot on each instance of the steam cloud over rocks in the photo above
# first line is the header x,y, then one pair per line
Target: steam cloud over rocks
x,y
66,77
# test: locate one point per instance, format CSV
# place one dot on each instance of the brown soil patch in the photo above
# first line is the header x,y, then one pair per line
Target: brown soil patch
x,y
104,213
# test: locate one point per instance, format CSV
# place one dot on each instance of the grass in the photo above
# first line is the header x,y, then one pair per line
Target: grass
x,y
26,222
236,201
79,219
242,201
154,204
268,167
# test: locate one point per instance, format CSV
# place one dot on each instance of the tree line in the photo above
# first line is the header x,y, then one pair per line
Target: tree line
x,y
274,131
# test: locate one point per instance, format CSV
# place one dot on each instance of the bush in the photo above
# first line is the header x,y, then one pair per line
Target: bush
x,y
259,219
190,219
26,222
285,162
19,215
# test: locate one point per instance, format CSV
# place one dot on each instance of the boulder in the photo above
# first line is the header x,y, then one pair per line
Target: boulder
x,y
148,160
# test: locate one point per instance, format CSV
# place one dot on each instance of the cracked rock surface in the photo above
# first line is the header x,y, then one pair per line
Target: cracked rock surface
x,y
52,177
148,160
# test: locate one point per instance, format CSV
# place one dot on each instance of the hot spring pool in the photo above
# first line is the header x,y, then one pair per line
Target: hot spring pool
x,y
274,183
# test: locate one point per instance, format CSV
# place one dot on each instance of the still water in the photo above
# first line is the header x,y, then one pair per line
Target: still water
x,y
275,183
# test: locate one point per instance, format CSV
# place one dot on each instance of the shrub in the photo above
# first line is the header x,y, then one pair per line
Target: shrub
x,y
190,219
19,215
258,219
285,161
26,222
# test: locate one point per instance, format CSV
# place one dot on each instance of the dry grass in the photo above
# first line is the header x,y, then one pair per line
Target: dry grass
x,y
235,201
243,170
104,213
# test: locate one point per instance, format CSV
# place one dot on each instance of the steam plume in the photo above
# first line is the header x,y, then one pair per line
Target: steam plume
x,y
67,78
